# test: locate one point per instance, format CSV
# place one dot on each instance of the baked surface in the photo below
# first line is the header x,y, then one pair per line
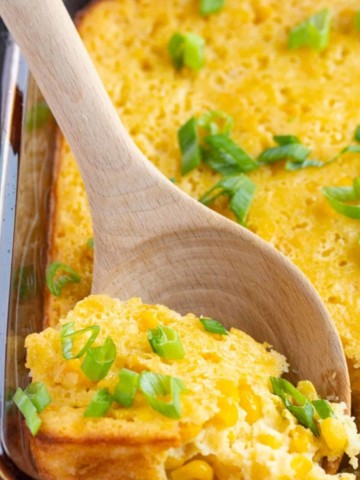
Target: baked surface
x,y
268,89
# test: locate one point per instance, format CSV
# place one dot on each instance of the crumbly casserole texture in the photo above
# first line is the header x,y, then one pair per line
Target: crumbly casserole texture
x,y
231,426
268,89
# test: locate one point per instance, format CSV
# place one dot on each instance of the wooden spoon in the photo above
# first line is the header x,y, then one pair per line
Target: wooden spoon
x,y
156,242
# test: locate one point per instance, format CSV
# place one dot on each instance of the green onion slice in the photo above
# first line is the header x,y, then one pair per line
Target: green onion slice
x,y
56,285
216,122
357,134
293,166
313,32
189,145
357,20
227,157
98,360
207,7
339,196
68,335
38,116
240,190
165,341
323,408
126,388
286,139
157,389
100,404
27,408
296,151
90,243
213,326
297,403
39,395
187,50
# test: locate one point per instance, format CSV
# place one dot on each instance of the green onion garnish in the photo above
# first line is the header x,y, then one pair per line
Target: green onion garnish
x,y
100,404
37,117
68,335
339,196
299,405
187,50
357,20
286,139
313,32
90,243
156,387
293,166
126,388
207,7
26,407
216,122
98,360
189,145
240,190
357,134
296,151
56,286
213,326
323,408
227,157
165,341
39,395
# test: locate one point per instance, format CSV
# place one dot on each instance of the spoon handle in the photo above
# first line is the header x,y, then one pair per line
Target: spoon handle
x,y
115,172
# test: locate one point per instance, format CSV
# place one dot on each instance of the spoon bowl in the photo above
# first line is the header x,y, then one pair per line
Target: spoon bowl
x,y
152,240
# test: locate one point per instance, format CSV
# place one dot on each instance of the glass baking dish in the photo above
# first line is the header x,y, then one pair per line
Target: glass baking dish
x,y
26,166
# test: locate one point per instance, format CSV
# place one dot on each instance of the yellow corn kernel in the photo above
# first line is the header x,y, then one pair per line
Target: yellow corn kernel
x,y
228,389
259,471
228,414
174,462
188,431
307,389
148,319
251,403
301,466
270,440
195,470
300,440
334,433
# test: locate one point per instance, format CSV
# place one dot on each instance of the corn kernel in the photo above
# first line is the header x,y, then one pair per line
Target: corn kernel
x,y
228,414
334,433
301,465
195,470
270,440
259,471
189,431
300,440
251,403
147,320
228,389
307,389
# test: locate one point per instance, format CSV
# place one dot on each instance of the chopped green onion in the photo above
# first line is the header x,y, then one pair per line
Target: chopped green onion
x,y
207,7
213,326
56,286
357,134
286,139
323,408
126,388
296,151
100,404
351,149
27,408
90,243
357,20
299,405
293,166
98,360
39,395
187,50
157,387
338,196
165,341
226,157
172,179
313,32
189,146
241,191
216,122
68,335
37,117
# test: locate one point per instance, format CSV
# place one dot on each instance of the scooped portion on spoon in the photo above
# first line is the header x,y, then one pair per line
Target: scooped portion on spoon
x,y
136,391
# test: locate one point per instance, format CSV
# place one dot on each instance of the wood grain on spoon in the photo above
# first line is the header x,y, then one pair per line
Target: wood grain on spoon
x,y
154,241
